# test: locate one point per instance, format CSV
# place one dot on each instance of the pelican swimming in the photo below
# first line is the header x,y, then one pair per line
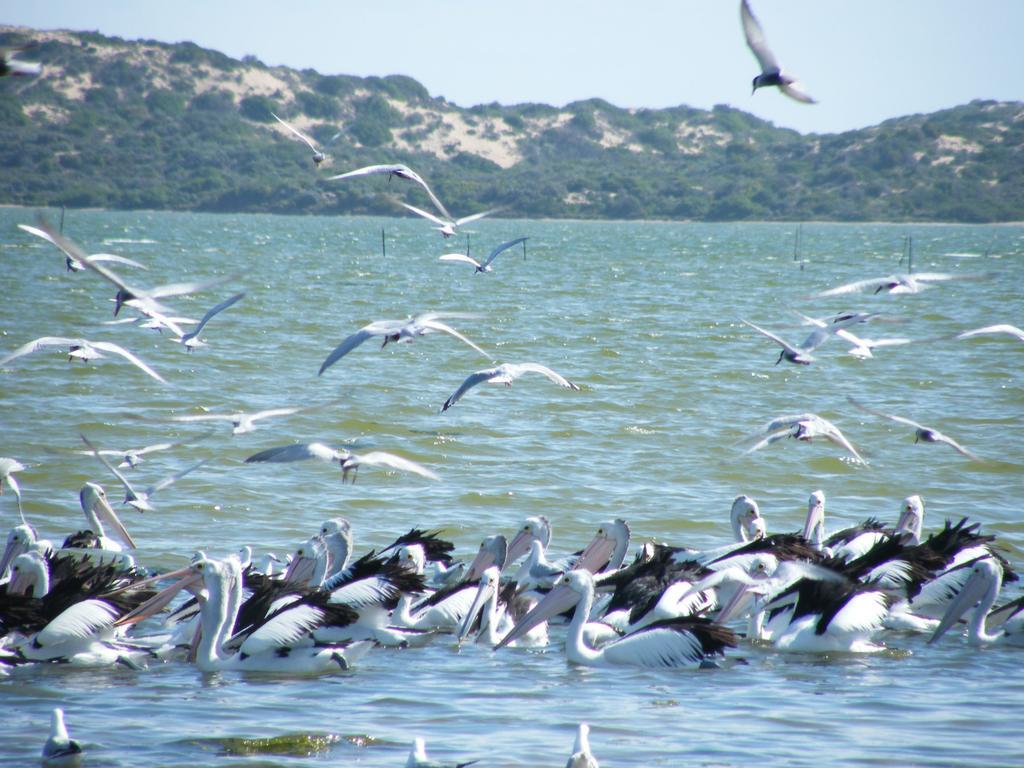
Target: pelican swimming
x,y
581,756
447,225
690,642
82,349
397,331
97,511
505,374
607,549
60,749
537,527
493,551
980,592
72,264
318,154
771,72
349,462
485,265
191,340
804,427
921,432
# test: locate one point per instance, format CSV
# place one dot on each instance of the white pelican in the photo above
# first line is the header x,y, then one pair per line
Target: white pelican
x,y
397,331
536,571
607,549
11,65
533,528
8,467
485,265
443,611
140,499
191,340
73,265
804,427
81,349
318,155
494,619
771,72
921,432
493,552
505,374
447,225
980,592
336,534
95,506
399,170
690,642
60,749
349,462
418,758
913,283
1010,330
581,756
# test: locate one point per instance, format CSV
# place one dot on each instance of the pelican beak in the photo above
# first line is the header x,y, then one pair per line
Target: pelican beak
x,y
970,594
110,518
300,570
19,584
483,594
596,555
190,578
520,546
484,559
11,552
560,599
739,603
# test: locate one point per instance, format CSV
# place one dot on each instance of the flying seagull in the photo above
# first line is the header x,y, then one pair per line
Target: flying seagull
x,y
505,374
242,422
191,340
1012,330
73,264
861,346
484,266
805,427
800,354
81,349
397,331
349,462
771,72
132,457
318,155
447,225
402,172
914,283
921,433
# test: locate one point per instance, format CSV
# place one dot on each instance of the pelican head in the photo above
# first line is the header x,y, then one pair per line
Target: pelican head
x,y
493,552
533,528
744,516
413,557
20,540
29,575
607,549
309,563
814,528
911,519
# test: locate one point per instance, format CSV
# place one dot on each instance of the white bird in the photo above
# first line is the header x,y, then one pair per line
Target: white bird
x,y
805,427
191,340
11,65
485,265
1012,330
60,749
505,374
921,432
73,264
861,347
980,592
801,353
771,72
398,331
242,422
97,509
81,349
402,172
132,457
447,225
318,155
581,756
349,462
418,758
895,284
140,499
8,467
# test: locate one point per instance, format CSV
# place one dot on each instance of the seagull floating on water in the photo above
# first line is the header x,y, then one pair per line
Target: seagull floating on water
x,y
318,155
505,374
771,72
81,349
921,433
484,266
581,756
349,462
60,749
418,758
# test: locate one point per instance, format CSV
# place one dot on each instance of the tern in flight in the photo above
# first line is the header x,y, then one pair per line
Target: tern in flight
x,y
505,374
485,265
398,331
81,349
922,434
914,283
73,264
349,462
1011,330
771,72
402,172
191,340
242,422
447,225
318,155
805,427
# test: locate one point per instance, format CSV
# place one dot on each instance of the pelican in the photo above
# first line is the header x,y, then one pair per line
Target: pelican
x,y
485,265
8,467
73,264
805,427
443,611
895,284
538,528
921,432
980,592
349,462
691,642
771,72
20,539
505,374
536,571
397,331
493,552
581,756
60,749
399,170
496,621
318,155
447,225
191,340
95,505
1010,330
336,534
855,542
607,549
11,65
243,422
82,349
418,758
140,499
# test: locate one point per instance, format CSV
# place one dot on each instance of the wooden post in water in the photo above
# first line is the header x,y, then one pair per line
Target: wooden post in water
x,y
62,219
467,243
383,247
797,237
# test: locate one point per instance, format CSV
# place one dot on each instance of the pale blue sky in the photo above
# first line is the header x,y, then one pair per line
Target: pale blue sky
x,y
865,61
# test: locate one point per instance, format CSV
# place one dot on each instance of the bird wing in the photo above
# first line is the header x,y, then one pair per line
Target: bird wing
x,y
796,92
274,412
501,248
183,289
357,338
297,452
778,340
72,250
855,287
77,622
308,141
107,346
116,259
863,612
459,257
657,647
769,439
369,170
517,370
756,40
207,417
890,417
831,432
941,438
436,325
423,213
42,341
1002,328
213,311
362,593
390,460
284,630
475,217
121,478
471,381
171,479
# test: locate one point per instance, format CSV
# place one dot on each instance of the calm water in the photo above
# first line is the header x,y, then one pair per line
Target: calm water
x,y
646,318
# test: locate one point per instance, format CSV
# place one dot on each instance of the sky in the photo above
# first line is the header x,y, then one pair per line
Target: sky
x,y
865,61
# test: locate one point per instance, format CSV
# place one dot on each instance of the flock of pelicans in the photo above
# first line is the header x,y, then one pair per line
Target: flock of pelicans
x,y
320,609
